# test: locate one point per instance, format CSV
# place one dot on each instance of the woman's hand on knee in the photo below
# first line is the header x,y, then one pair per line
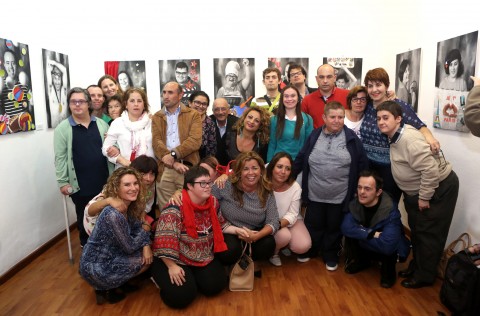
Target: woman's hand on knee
x,y
147,257
177,275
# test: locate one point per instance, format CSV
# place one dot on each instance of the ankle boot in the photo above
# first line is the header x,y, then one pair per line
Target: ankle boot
x,y
408,272
388,273
128,287
110,296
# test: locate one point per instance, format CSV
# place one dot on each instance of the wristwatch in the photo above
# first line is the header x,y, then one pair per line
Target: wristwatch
x,y
174,154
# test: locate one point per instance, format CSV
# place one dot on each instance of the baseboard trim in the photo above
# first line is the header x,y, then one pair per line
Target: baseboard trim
x,y
35,254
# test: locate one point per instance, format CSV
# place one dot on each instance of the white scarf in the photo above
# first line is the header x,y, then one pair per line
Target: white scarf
x,y
138,133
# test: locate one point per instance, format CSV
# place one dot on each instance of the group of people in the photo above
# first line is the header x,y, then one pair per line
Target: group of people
x,y
189,190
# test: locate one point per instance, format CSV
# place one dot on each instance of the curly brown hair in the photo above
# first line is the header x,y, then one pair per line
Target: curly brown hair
x,y
112,187
264,188
263,133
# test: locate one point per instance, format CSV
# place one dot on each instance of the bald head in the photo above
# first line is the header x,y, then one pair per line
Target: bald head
x,y
220,109
326,67
174,85
172,94
326,79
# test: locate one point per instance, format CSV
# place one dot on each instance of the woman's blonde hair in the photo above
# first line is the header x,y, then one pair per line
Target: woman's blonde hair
x,y
263,133
112,187
264,188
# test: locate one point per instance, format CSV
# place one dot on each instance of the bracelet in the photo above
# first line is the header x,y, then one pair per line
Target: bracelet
x,y
146,224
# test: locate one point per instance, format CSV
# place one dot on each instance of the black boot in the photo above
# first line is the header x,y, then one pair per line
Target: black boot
x,y
356,265
388,273
408,272
128,287
110,296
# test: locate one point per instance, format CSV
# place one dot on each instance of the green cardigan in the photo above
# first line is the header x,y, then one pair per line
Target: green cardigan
x,y
62,145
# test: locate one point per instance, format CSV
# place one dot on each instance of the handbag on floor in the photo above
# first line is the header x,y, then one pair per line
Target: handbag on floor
x,y
241,276
465,241
460,291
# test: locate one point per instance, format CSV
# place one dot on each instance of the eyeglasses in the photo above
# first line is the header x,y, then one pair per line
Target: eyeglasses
x,y
204,184
294,74
180,73
202,104
362,99
77,102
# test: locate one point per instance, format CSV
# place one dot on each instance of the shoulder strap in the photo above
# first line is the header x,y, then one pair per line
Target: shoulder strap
x,y
268,100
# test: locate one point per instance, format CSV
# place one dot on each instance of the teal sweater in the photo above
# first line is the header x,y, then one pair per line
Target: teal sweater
x,y
287,142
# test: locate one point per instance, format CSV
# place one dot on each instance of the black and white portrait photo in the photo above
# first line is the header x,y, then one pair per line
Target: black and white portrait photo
x,y
283,64
57,84
132,74
347,69
456,62
234,80
128,73
407,77
16,103
184,71
456,58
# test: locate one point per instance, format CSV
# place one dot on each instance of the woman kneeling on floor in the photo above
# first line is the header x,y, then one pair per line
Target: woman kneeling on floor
x,y
186,239
119,248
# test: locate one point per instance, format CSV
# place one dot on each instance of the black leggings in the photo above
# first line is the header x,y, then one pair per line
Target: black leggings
x,y
208,280
261,249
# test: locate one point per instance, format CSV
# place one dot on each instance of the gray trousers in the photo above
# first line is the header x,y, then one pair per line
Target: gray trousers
x,y
430,227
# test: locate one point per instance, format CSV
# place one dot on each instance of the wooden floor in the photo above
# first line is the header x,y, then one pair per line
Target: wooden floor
x,y
49,285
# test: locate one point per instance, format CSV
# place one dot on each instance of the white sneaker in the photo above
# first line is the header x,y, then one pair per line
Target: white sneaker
x,y
331,266
275,260
286,252
303,260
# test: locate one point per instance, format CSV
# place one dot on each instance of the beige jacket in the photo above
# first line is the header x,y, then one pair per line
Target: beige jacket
x,y
472,111
190,132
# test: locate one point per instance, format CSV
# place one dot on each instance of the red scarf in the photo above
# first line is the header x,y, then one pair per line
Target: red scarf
x,y
188,209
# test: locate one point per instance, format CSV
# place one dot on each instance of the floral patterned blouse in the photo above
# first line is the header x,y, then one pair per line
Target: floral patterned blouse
x,y
209,139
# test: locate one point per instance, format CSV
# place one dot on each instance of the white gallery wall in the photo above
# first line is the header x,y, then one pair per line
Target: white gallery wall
x,y
31,211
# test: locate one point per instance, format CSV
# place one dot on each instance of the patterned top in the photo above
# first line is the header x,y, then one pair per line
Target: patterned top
x,y
251,215
209,138
172,241
375,143
114,251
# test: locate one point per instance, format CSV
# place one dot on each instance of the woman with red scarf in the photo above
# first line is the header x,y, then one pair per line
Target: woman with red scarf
x,y
186,239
